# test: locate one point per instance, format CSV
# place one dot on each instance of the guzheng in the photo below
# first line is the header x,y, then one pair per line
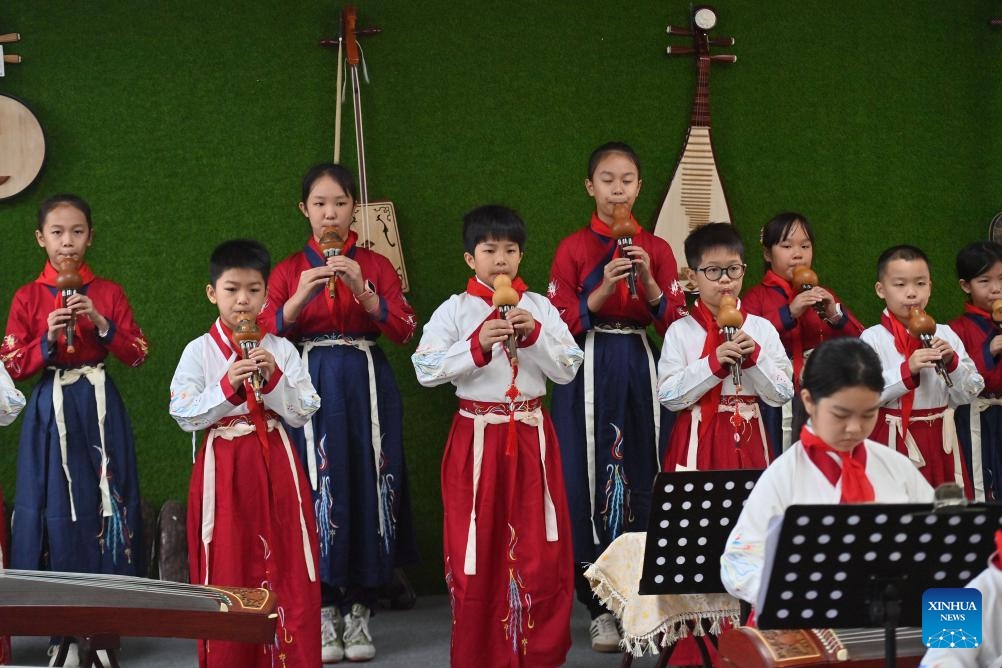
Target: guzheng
x,y
695,194
747,647
84,604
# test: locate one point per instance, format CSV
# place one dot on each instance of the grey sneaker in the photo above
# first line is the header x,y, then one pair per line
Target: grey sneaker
x,y
357,639
331,647
604,633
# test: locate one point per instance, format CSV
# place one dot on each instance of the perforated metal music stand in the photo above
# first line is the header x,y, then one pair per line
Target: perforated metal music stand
x,y
692,514
840,566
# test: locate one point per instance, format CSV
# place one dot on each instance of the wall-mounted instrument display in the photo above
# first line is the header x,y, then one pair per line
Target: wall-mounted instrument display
x,y
22,142
375,221
695,195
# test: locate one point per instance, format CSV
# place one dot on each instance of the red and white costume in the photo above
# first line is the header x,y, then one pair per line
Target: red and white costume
x,y
250,521
916,417
719,425
508,561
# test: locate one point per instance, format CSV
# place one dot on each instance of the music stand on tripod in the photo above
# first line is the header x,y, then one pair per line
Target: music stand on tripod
x,y
835,566
692,514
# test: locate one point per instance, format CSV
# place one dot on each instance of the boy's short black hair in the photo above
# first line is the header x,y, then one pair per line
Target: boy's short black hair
x,y
64,199
239,254
902,252
495,222
713,235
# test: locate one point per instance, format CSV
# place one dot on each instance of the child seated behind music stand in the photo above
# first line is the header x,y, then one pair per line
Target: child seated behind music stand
x,y
250,523
833,462
719,425
508,559
921,384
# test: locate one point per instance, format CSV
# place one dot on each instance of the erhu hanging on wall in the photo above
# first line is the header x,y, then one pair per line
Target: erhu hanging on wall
x,y
375,221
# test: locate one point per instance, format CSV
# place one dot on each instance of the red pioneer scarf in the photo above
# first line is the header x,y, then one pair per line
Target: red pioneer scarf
x,y
856,487
905,344
709,402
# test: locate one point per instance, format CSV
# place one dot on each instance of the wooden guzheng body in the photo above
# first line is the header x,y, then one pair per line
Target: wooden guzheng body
x,y
747,647
83,604
695,195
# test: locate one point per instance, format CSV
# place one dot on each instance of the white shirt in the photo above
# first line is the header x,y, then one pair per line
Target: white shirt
x,y
197,398
444,353
931,391
684,375
794,479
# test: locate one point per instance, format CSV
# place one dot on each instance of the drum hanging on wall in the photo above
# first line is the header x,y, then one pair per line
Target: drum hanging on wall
x,y
22,147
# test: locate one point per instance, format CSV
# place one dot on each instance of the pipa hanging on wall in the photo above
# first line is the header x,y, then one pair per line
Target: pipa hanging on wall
x,y
695,194
22,142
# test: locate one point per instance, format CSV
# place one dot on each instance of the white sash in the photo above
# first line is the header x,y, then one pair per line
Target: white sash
x,y
748,411
231,432
95,375
977,407
948,437
480,421
589,407
365,345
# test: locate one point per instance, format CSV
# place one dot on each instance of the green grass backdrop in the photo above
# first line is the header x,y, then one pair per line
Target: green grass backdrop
x,y
186,122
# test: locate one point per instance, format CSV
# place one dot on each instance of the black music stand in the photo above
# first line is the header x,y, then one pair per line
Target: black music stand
x,y
840,566
692,514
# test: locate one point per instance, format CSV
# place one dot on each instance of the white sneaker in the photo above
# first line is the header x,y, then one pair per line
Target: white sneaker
x,y
605,635
331,647
104,658
357,639
72,655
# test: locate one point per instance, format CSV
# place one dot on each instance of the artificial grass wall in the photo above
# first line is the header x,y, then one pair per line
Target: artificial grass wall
x,y
186,123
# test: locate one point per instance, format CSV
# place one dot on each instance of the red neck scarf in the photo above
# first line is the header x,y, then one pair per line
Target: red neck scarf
x,y
971,308
772,279
905,344
49,274
476,288
600,227
856,487
996,559
709,402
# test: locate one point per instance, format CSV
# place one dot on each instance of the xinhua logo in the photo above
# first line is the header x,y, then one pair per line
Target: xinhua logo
x,y
951,618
